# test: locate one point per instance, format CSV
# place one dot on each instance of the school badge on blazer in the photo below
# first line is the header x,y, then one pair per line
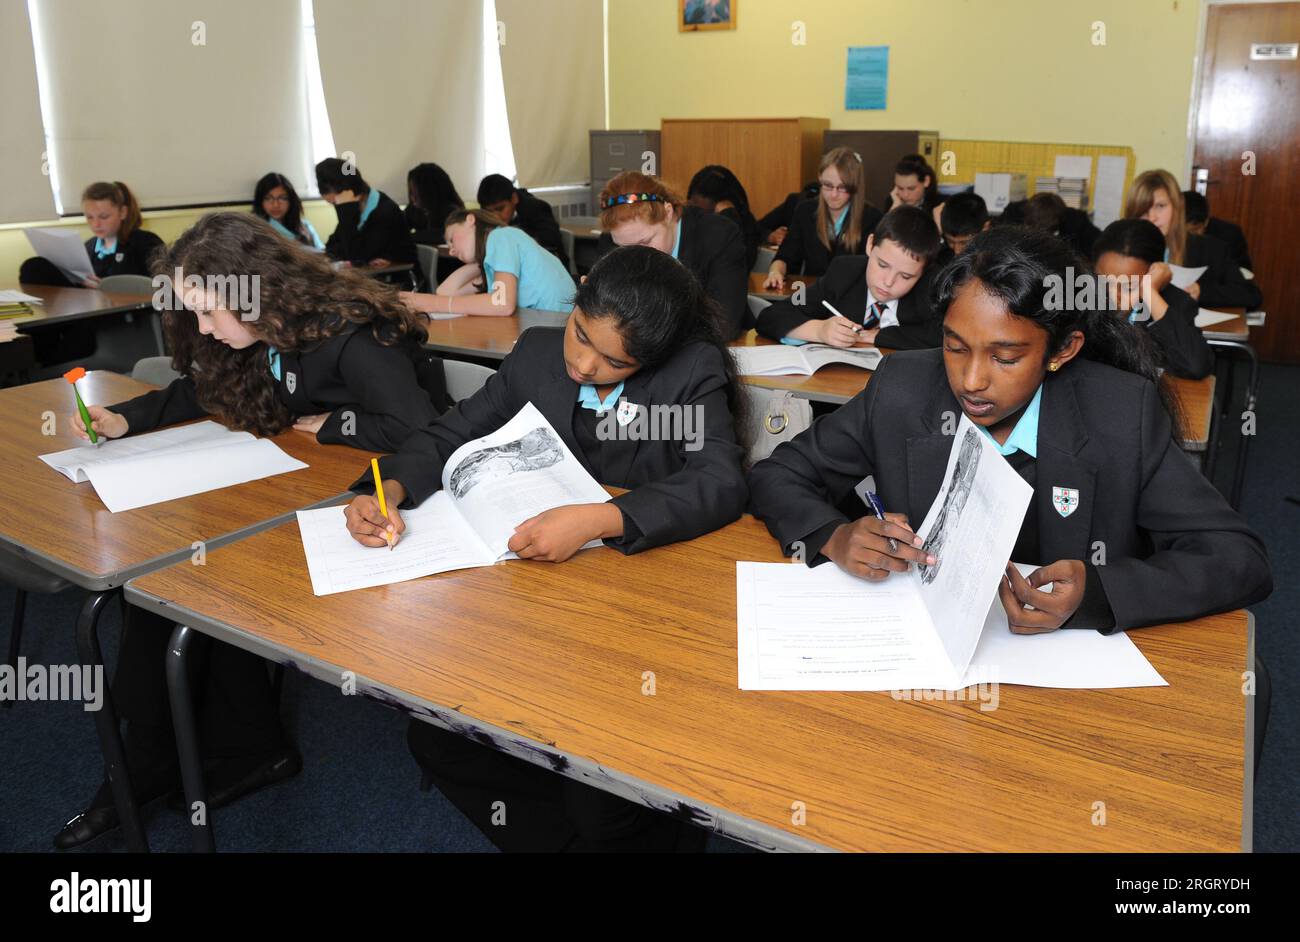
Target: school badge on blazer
x,y
1065,500
626,412
291,382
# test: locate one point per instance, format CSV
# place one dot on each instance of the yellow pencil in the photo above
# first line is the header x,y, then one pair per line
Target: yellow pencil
x,y
383,504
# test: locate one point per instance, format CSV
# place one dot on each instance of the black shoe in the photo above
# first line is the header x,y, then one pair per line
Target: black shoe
x,y
228,782
85,827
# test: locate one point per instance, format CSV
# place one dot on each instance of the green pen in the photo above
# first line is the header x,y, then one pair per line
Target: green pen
x,y
72,376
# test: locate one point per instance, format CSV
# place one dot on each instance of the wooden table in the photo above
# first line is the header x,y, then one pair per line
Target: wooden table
x,y
126,326
756,279
486,336
1196,399
584,230
528,658
1235,329
77,538
63,305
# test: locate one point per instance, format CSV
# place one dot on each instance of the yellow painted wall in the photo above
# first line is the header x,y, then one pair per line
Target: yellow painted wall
x,y
1000,70
167,224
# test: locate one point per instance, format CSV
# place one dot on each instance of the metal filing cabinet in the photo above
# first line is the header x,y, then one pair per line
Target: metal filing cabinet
x,y
613,152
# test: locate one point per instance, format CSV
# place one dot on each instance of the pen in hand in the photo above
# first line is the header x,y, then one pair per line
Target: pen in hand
x,y
879,511
383,504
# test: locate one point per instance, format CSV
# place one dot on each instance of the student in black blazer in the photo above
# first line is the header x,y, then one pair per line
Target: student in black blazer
x,y
1048,212
430,199
1154,196
118,246
836,223
331,354
914,184
1173,549
372,232
715,189
882,296
643,333
1129,255
517,207
1200,222
637,209
772,227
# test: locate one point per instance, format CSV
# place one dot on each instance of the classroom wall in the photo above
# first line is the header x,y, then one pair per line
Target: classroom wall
x,y
1017,70
166,224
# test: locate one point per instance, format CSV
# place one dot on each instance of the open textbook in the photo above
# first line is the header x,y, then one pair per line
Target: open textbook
x,y
804,360
937,627
489,486
177,462
65,249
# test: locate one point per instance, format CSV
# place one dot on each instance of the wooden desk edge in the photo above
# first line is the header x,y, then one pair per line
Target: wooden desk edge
x,y
1248,774
728,823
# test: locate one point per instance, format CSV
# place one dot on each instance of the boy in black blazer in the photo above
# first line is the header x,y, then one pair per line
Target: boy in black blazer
x,y
1147,539
1200,222
517,207
372,230
882,296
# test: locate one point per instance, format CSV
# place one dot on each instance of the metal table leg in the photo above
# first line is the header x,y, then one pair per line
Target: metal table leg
x,y
202,840
106,725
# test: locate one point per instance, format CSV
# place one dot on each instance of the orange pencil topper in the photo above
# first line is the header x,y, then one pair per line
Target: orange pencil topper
x,y
75,374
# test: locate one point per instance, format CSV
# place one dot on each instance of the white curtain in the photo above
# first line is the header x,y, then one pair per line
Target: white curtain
x,y
26,193
403,82
552,62
187,101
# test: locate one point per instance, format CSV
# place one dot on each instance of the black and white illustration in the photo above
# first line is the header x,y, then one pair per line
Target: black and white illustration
x,y
533,451
954,502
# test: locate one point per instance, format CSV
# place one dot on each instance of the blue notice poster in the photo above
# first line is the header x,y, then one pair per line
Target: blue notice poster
x,y
867,82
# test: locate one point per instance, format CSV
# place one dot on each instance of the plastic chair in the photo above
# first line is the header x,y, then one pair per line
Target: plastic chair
x,y
763,262
156,371
25,577
464,379
567,240
427,257
127,284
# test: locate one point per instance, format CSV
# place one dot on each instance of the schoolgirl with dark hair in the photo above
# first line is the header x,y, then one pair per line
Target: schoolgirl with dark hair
x,y
276,201
715,189
1072,402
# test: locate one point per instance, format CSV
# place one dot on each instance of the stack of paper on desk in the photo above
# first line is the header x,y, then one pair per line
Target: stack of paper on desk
x,y
936,627
784,360
1206,318
489,486
177,462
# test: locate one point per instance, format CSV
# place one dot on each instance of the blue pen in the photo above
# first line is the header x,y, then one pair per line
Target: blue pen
x,y
879,511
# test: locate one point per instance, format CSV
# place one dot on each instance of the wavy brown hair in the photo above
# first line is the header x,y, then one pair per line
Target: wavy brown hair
x,y
302,301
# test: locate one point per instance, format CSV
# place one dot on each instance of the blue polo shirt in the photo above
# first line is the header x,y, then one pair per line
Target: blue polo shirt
x,y
1024,437
544,283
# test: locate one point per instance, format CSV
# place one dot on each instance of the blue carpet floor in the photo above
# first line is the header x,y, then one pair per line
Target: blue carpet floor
x,y
358,790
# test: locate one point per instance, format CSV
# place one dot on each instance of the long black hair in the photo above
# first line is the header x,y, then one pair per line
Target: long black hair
x,y
659,307
432,195
293,217
1024,268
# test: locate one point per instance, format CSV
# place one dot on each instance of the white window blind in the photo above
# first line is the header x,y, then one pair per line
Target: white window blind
x,y
25,195
187,101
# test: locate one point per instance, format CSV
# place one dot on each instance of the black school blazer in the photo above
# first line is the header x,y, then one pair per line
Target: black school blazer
x,y
373,392
803,252
1182,345
386,234
535,217
1222,285
713,249
673,495
845,286
130,256
1175,550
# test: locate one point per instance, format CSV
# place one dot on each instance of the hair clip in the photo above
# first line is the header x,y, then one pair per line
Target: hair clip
x,y
624,199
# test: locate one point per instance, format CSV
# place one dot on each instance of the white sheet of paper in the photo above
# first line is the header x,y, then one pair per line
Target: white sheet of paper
x,y
73,462
443,316
437,539
517,472
1073,166
17,297
822,629
1186,276
1108,190
1206,318
65,249
167,475
971,528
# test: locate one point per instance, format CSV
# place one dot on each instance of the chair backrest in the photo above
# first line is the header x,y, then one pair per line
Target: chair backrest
x,y
156,371
464,379
567,240
763,262
758,305
427,256
127,284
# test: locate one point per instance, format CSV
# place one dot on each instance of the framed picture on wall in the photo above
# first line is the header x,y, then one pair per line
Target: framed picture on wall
x,y
695,15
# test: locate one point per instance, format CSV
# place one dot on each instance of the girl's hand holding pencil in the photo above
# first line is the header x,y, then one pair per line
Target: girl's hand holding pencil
x,y
106,424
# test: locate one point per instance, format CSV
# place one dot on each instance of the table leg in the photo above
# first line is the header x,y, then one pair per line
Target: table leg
x,y
202,840
106,725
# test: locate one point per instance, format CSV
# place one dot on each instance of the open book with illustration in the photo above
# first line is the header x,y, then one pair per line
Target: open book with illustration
x,y
939,627
489,486
780,359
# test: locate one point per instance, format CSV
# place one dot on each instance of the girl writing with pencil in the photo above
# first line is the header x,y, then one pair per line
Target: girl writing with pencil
x,y
1131,533
642,330
330,354
503,270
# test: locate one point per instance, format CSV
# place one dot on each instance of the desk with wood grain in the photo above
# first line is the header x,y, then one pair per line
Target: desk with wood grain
x,y
528,658
65,529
